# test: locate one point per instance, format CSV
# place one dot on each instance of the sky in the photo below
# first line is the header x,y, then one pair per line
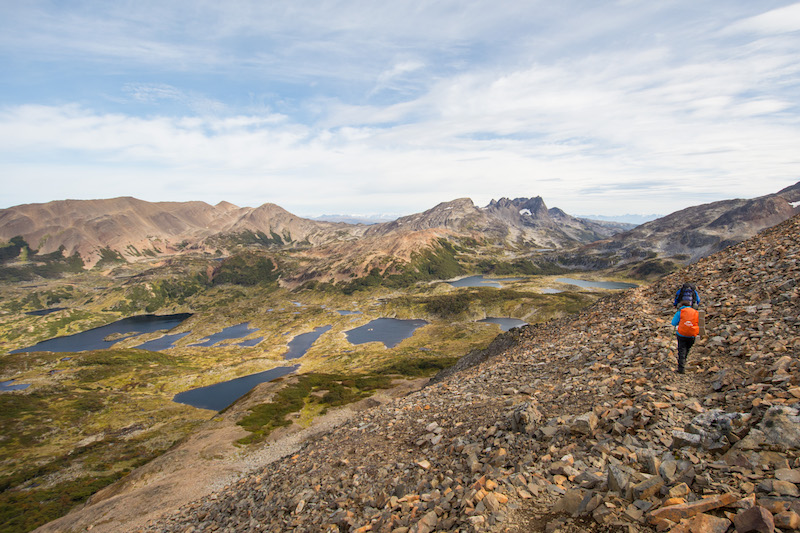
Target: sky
x,y
364,107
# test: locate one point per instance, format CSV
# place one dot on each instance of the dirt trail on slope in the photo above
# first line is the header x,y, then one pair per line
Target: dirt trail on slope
x,y
203,463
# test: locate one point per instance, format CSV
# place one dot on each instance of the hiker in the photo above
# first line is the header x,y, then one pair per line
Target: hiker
x,y
687,328
687,293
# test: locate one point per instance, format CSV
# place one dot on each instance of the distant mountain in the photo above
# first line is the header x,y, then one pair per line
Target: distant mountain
x,y
625,219
525,222
135,228
356,219
505,230
696,232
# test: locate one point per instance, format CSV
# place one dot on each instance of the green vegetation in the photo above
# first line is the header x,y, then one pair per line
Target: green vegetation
x,y
85,428
333,390
29,264
109,257
424,367
12,249
523,267
247,269
153,295
24,509
653,268
434,264
41,299
453,304
260,238
329,390
26,502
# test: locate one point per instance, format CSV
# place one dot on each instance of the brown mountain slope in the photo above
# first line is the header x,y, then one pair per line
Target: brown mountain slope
x,y
580,424
698,231
134,227
522,221
137,229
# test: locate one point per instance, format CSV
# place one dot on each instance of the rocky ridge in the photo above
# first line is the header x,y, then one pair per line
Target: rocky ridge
x,y
521,220
700,230
579,424
139,230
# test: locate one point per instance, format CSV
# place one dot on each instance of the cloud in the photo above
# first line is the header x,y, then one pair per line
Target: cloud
x,y
393,78
357,106
782,20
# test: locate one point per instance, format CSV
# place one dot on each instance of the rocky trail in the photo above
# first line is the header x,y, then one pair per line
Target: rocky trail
x,y
578,424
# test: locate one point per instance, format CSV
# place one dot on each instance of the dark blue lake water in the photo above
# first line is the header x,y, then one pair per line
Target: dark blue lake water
x,y
389,331
233,332
162,343
94,339
10,385
505,323
250,342
481,281
43,312
586,284
220,395
299,345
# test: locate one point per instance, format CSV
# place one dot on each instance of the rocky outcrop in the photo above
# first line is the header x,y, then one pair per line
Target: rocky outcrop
x,y
521,221
579,424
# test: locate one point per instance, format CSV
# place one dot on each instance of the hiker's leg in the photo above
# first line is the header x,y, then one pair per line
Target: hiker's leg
x,y
689,341
682,352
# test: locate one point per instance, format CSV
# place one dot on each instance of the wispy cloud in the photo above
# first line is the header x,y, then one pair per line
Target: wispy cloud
x,y
357,106
781,20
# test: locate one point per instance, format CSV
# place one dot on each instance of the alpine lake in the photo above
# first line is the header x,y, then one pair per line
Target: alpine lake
x,y
93,388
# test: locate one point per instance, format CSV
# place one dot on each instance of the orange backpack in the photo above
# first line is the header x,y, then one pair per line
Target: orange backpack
x,y
689,324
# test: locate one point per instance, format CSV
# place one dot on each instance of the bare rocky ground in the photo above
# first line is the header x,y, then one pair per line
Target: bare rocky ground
x,y
579,424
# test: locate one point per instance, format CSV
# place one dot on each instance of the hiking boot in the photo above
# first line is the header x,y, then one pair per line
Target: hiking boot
x,y
681,371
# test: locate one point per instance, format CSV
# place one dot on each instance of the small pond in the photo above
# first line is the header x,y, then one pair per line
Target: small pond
x,y
95,339
250,342
299,345
344,312
43,312
481,281
220,395
505,323
162,343
587,284
389,331
232,332
10,385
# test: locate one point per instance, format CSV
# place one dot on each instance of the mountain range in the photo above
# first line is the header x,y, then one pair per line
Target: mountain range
x,y
520,228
